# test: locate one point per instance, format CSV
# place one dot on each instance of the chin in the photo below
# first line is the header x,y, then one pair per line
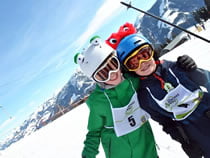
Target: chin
x,y
151,70
146,74
115,82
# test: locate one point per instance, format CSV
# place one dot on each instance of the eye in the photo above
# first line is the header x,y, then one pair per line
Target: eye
x,y
113,41
80,59
125,28
95,40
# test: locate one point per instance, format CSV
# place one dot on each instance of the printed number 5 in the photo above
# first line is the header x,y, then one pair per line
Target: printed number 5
x,y
132,121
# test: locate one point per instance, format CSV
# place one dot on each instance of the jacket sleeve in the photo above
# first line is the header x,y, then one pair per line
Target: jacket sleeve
x,y
95,125
208,81
199,76
91,142
169,126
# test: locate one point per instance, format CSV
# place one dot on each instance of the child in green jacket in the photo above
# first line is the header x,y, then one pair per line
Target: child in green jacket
x,y
116,119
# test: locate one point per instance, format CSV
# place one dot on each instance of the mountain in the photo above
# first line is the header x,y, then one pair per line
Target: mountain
x,y
178,12
73,92
77,88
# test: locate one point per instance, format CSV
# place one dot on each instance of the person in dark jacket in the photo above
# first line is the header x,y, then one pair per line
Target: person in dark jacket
x,y
170,94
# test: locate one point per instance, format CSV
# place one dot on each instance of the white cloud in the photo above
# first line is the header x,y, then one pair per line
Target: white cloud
x,y
4,132
104,14
33,103
5,123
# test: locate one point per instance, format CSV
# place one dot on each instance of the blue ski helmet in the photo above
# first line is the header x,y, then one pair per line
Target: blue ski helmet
x,y
129,44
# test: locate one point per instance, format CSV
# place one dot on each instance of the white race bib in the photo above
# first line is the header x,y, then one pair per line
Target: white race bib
x,y
179,100
128,118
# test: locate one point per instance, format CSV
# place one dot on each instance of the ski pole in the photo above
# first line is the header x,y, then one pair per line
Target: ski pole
x,y
156,17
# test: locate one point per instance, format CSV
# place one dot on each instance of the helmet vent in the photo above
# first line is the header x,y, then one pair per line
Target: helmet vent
x,y
137,41
122,54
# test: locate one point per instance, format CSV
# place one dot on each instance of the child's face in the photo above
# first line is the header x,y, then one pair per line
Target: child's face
x,y
146,68
109,72
141,61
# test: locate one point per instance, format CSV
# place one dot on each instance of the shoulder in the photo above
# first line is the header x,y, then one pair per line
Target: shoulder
x,y
167,63
133,78
93,97
97,99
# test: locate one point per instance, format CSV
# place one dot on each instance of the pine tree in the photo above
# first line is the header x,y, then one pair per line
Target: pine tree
x,y
207,2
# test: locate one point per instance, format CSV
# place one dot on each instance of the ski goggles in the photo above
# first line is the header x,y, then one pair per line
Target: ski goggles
x,y
144,53
103,74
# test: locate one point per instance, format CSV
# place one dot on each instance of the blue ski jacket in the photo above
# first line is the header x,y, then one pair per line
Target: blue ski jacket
x,y
194,128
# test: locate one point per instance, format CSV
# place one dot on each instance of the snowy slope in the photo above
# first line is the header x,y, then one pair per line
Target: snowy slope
x,y
64,138
198,49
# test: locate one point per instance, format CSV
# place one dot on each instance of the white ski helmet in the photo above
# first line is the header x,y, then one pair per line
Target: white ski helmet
x,y
92,57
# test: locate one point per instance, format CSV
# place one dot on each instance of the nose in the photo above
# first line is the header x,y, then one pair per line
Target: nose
x,y
142,64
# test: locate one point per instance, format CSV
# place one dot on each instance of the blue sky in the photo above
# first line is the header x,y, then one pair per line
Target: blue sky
x,y
38,40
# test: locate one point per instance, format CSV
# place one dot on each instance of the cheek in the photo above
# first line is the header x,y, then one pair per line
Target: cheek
x,y
153,66
152,62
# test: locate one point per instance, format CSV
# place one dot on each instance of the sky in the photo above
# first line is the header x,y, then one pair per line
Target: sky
x,y
38,40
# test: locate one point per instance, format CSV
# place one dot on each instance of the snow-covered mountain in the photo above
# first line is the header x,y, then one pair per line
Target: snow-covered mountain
x,y
77,88
178,12
34,122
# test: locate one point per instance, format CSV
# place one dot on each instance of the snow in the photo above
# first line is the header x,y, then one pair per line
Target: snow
x,y
64,137
196,48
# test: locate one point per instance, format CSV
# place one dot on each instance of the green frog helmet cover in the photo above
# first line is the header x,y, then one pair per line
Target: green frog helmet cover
x,y
129,44
92,57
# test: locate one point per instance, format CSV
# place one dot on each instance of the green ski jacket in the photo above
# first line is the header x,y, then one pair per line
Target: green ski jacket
x,y
137,144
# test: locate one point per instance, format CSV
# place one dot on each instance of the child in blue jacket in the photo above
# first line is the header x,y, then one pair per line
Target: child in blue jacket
x,y
170,94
